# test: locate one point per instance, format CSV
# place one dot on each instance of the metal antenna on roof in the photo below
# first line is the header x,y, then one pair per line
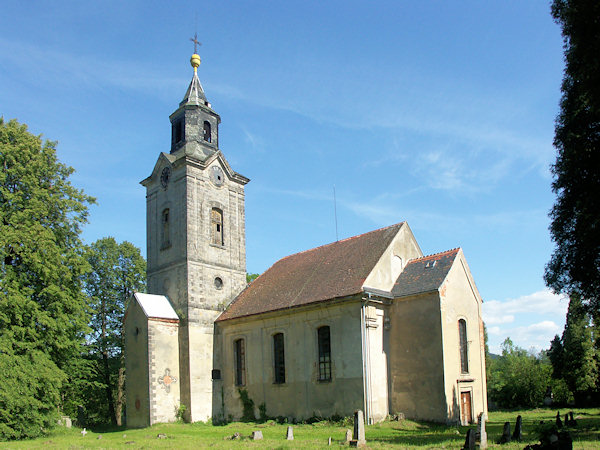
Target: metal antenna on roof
x,y
335,214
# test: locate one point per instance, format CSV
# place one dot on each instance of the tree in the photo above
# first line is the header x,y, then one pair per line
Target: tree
x,y
575,227
518,378
118,270
43,316
579,359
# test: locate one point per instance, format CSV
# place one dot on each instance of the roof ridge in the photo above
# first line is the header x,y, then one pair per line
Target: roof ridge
x,y
343,240
456,249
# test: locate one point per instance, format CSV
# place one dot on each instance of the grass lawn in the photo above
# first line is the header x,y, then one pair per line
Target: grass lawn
x,y
402,434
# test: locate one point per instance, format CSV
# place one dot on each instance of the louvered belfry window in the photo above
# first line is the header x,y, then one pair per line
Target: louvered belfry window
x,y
239,356
278,359
464,350
324,342
216,224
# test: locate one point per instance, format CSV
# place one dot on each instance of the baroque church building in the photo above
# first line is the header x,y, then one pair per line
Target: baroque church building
x,y
366,323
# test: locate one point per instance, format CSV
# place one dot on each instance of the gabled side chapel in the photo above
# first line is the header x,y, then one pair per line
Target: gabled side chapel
x,y
365,323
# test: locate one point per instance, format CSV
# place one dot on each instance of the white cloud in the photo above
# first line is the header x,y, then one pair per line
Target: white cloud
x,y
541,302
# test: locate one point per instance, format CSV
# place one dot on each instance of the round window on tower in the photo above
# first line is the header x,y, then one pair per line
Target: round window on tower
x,y
218,283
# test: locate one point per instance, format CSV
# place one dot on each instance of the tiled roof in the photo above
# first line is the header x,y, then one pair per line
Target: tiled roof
x,y
323,273
424,274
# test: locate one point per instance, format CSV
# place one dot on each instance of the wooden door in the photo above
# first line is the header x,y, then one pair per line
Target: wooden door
x,y
466,416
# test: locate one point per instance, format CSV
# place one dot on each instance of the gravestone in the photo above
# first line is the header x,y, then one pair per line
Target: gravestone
x,y
559,423
358,436
348,435
505,433
83,432
329,441
470,440
290,434
567,422
518,433
481,433
257,435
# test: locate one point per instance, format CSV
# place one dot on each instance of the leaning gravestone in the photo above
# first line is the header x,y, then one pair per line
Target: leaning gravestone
x,y
470,440
290,434
518,433
358,436
481,431
81,416
505,433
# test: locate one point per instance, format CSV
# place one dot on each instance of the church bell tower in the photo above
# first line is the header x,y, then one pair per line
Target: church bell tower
x,y
196,245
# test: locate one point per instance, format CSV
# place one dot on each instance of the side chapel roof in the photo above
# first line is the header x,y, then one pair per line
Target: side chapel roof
x,y
424,274
156,306
331,271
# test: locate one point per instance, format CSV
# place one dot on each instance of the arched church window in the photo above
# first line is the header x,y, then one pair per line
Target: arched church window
x,y
166,239
239,357
278,359
207,135
464,349
324,344
216,224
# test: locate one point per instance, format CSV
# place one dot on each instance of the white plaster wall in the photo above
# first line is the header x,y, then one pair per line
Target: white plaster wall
x,y
302,395
460,300
386,271
163,351
416,358
137,377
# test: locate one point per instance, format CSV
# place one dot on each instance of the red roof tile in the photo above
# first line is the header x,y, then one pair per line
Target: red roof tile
x,y
323,273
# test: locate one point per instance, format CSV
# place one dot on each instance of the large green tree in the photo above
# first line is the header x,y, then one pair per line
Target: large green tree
x,y
118,270
43,316
579,358
575,228
518,378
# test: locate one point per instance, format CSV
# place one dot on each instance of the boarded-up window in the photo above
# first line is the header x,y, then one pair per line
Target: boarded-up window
x,y
324,342
239,356
166,239
207,136
216,224
464,350
278,359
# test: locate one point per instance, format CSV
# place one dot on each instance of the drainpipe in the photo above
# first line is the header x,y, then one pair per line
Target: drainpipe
x,y
365,361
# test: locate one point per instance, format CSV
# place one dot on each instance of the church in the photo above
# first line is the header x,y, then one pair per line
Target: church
x,y
368,322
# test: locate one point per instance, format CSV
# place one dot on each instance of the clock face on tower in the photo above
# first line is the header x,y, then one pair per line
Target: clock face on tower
x,y
217,176
165,176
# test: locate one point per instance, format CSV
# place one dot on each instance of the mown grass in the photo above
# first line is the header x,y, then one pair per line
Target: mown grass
x,y
398,434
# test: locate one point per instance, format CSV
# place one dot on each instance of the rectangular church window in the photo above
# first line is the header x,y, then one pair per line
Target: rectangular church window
x,y
324,342
239,356
278,359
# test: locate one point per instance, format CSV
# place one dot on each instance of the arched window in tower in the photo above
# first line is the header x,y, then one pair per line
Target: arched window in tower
x,y
165,238
464,349
216,224
178,131
207,135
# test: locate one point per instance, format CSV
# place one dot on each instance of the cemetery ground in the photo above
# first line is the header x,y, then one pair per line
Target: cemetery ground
x,y
399,434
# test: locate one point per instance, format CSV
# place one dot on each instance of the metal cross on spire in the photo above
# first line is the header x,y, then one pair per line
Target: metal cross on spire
x,y
196,42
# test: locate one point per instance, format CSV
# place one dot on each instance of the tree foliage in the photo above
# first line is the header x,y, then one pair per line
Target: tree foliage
x,y
575,228
518,378
118,270
43,316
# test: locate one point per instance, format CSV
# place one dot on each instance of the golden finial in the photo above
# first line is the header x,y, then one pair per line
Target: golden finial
x,y
195,59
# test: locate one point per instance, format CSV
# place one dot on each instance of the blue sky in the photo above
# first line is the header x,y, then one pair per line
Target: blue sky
x,y
437,113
